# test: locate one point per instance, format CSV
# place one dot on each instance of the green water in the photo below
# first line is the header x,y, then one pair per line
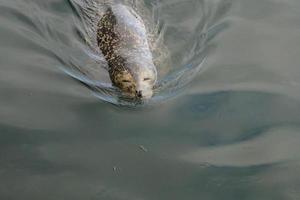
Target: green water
x,y
232,134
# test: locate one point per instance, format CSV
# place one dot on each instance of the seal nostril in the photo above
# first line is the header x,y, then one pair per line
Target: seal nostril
x,y
139,94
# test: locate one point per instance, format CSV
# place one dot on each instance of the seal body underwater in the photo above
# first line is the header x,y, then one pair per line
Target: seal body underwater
x,y
123,41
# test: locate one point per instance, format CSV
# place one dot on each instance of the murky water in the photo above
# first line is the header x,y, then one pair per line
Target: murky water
x,y
230,131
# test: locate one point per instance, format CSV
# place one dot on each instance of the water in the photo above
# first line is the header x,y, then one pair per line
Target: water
x,y
231,133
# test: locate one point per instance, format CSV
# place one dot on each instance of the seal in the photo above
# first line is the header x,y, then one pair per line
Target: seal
x,y
123,41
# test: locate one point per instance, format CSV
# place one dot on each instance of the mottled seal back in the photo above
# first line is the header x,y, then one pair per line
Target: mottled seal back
x,y
122,39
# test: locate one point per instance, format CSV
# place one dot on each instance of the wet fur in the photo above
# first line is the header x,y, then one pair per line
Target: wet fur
x,y
109,41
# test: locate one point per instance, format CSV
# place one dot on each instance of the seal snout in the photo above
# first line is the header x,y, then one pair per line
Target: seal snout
x,y
139,94
144,93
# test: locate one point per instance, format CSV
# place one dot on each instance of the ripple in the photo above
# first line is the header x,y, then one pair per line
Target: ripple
x,y
277,145
66,36
177,65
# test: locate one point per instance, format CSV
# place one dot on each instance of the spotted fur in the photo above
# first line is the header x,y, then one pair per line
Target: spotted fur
x,y
124,46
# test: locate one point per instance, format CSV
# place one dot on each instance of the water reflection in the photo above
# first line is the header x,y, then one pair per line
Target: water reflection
x,y
277,145
233,135
99,155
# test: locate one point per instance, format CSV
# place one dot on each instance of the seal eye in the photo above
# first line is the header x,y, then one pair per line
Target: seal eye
x,y
146,79
125,81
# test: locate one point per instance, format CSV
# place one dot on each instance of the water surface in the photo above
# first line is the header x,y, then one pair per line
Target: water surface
x,y
232,133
